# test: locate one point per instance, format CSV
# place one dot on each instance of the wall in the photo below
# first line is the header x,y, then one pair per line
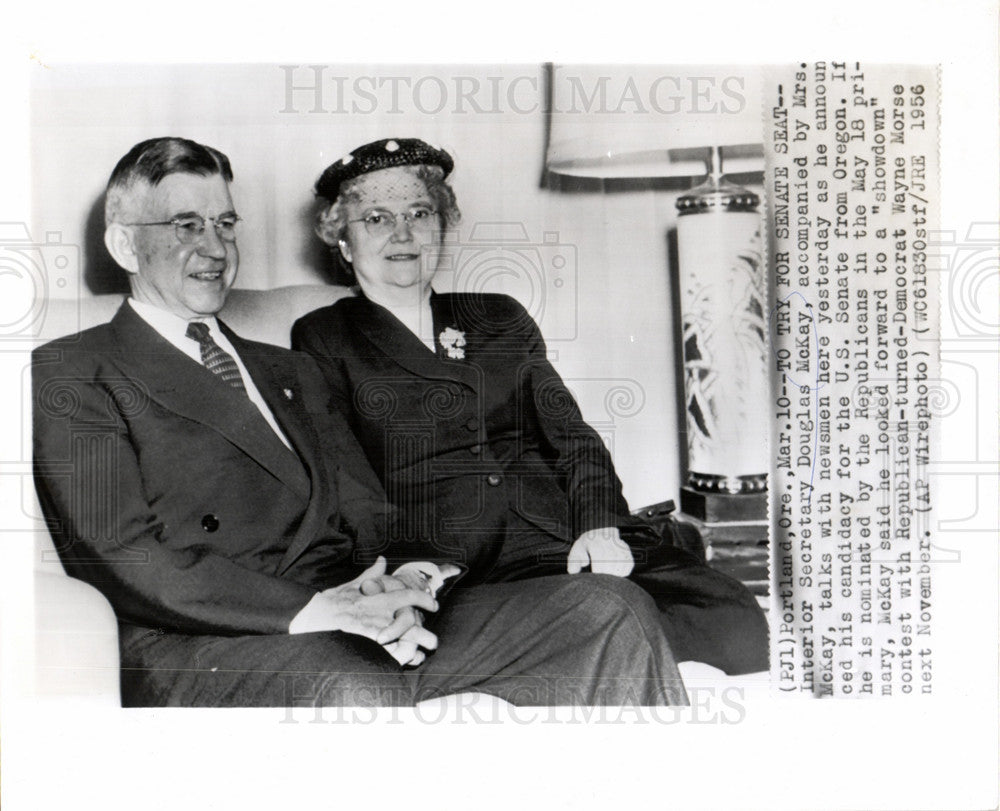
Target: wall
x,y
609,325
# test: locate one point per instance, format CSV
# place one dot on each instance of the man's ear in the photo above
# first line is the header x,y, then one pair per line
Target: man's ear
x,y
345,250
120,242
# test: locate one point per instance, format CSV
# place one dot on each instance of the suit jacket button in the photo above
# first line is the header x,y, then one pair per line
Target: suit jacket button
x,y
494,479
472,424
475,449
209,523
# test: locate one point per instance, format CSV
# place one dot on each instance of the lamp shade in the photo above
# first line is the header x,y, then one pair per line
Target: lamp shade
x,y
649,121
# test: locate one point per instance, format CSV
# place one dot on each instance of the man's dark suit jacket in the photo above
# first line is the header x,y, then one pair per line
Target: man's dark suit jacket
x,y
482,452
170,492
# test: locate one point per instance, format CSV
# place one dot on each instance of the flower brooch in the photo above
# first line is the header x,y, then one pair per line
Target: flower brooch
x,y
453,342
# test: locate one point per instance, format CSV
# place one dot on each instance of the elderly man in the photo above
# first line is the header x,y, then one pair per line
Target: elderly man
x,y
201,482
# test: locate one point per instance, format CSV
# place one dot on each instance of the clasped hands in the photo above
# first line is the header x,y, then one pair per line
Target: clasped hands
x,y
387,608
382,607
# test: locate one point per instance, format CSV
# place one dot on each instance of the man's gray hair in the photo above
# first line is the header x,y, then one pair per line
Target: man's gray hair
x,y
150,161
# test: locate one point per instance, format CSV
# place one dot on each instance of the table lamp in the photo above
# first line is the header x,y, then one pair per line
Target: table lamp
x,y
617,128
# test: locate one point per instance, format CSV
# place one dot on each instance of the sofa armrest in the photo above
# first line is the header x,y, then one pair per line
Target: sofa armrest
x,y
76,640
674,531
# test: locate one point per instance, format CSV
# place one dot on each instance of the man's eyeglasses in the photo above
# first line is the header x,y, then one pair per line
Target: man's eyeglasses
x,y
191,229
380,223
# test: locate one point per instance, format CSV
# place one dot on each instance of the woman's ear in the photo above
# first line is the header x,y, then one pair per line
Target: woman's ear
x,y
345,250
120,242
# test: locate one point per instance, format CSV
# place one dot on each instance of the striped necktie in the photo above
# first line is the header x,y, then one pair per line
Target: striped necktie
x,y
216,359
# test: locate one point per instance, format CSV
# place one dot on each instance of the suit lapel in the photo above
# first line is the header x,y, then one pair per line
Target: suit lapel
x,y
279,385
187,388
396,342
277,381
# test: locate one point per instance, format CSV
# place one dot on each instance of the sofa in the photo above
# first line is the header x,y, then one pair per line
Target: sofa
x,y
76,641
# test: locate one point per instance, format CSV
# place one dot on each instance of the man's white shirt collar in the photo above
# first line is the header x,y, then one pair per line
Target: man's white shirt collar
x,y
173,328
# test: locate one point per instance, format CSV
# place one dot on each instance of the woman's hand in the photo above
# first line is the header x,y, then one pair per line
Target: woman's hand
x,y
603,550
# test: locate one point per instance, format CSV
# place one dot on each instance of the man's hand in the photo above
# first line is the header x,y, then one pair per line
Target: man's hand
x,y
421,576
603,550
391,617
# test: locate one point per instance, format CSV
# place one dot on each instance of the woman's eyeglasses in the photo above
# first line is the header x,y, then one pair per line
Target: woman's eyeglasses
x,y
381,223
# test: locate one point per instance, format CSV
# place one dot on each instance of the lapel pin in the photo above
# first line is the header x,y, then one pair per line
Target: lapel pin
x,y
288,394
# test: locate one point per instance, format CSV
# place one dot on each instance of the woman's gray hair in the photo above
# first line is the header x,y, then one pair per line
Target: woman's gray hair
x,y
331,220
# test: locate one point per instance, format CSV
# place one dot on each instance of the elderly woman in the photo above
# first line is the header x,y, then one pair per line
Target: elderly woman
x,y
471,430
